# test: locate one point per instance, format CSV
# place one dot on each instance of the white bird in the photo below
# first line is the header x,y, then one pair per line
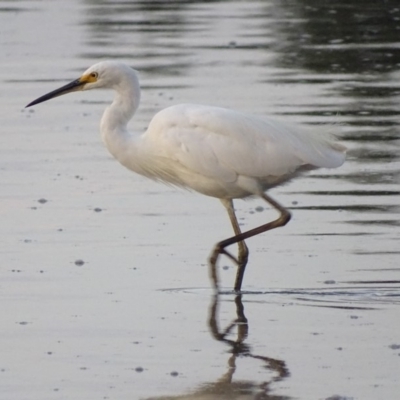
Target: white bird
x,y
214,151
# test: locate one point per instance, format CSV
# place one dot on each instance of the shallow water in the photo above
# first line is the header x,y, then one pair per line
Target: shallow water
x,y
104,279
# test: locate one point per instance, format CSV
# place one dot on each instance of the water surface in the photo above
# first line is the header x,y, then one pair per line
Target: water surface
x,y
104,279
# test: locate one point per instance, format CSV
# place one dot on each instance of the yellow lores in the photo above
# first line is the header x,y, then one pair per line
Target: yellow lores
x,y
89,78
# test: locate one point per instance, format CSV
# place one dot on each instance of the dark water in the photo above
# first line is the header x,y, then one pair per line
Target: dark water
x,y
323,61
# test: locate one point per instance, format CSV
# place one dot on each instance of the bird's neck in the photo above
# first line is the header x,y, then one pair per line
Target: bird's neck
x,y
126,101
113,126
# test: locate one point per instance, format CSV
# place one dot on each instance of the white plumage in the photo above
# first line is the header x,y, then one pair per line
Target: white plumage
x,y
226,147
215,151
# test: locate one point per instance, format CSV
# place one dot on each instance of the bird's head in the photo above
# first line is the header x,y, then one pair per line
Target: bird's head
x,y
105,74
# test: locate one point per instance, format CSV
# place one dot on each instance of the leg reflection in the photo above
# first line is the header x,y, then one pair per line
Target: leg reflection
x,y
238,346
225,387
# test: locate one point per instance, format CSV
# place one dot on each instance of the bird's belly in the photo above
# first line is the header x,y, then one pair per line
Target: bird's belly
x,y
170,172
213,188
208,186
240,188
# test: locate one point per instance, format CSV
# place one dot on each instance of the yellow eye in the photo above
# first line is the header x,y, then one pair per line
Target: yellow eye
x,y
89,78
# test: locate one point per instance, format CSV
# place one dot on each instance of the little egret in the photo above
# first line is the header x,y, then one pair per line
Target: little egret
x,y
214,151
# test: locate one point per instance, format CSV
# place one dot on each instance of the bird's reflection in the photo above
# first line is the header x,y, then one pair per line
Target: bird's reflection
x,y
240,349
226,387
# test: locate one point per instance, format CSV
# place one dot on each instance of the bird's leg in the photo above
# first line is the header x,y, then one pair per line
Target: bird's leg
x,y
282,220
243,253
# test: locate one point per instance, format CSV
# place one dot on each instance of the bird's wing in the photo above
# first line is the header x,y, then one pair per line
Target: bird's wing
x,y
219,142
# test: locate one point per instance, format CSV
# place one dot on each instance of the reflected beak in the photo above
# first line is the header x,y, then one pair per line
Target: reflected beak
x,y
70,87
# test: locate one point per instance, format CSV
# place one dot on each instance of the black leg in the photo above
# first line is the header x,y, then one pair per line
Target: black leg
x,y
239,237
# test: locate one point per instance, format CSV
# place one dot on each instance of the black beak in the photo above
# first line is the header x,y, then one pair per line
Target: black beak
x,y
70,87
